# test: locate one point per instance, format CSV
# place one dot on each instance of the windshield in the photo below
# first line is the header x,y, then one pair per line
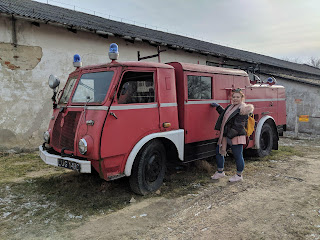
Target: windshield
x,y
92,87
68,90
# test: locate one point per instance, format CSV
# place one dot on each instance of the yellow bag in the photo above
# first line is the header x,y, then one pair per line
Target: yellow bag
x,y
250,125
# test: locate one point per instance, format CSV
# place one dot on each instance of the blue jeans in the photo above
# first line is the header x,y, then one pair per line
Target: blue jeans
x,y
237,151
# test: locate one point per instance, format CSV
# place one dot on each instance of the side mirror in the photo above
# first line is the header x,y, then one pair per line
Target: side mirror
x,y
53,81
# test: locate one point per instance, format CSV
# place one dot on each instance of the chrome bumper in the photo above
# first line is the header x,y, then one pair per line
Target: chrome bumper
x,y
52,159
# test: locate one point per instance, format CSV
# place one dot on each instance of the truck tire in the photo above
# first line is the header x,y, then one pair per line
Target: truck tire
x,y
148,168
266,141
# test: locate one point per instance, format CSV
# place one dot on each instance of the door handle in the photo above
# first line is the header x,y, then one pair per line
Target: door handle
x,y
112,114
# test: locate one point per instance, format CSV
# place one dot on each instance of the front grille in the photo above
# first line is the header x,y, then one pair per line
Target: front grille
x,y
63,137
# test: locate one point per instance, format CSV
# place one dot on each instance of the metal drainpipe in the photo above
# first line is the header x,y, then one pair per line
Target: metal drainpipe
x,y
14,33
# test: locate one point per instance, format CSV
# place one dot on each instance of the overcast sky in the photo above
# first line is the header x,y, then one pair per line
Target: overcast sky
x,y
285,29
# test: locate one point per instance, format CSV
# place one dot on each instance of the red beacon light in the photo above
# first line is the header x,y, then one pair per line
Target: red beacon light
x,y
271,81
113,52
77,61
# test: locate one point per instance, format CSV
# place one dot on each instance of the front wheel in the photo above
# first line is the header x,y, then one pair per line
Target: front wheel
x,y
266,141
148,168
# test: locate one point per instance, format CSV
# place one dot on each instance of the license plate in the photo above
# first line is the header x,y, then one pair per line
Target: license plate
x,y
69,164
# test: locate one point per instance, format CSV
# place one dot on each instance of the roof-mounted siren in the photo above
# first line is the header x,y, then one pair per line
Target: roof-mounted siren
x,y
271,81
113,52
77,61
255,79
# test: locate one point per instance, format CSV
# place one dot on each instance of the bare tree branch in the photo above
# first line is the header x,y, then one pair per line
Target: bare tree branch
x,y
315,62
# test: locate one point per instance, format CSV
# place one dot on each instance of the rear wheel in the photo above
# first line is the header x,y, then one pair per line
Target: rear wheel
x,y
266,141
148,168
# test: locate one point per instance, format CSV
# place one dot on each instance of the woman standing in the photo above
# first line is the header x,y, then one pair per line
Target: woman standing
x,y
231,124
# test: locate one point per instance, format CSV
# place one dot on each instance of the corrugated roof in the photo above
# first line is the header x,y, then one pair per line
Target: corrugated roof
x,y
70,18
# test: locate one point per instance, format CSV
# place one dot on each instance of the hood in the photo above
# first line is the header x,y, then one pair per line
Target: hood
x,y
246,109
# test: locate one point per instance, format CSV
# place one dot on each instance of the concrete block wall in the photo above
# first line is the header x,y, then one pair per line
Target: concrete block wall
x,y
310,96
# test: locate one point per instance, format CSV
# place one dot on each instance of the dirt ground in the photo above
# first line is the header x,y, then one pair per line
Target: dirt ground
x,y
281,200
278,199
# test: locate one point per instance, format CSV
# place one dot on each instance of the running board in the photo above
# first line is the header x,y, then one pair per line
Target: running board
x,y
200,150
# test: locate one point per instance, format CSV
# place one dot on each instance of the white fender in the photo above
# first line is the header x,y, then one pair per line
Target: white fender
x,y
176,136
258,130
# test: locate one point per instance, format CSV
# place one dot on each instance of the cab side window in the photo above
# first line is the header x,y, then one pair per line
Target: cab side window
x,y
199,87
136,87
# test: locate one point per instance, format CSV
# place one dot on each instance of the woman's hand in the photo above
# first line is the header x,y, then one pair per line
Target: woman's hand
x,y
214,104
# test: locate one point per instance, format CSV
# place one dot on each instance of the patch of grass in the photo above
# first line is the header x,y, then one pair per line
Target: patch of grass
x,y
283,153
39,207
38,200
286,151
47,206
50,205
17,166
184,181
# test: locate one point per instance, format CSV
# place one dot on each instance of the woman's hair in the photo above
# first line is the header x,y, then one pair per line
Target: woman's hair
x,y
237,90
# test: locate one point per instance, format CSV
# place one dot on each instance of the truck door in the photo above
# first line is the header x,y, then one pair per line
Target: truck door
x,y
199,115
133,114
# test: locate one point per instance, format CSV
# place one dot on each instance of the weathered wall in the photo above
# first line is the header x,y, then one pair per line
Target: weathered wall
x,y
24,70
310,96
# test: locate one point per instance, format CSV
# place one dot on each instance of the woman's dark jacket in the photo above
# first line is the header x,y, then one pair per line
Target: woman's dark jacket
x,y
236,123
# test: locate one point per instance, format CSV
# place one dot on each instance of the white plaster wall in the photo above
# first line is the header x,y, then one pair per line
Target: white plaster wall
x,y
25,97
5,29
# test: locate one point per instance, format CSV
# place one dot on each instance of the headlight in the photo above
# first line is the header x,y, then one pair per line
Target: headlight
x,y
46,136
83,146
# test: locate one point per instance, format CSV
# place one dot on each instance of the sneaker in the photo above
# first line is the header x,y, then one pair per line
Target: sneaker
x,y
235,178
218,175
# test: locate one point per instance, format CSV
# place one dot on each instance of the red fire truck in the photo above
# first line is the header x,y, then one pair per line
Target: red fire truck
x,y
132,118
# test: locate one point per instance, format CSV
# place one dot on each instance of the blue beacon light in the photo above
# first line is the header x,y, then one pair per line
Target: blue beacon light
x,y
113,51
271,81
77,61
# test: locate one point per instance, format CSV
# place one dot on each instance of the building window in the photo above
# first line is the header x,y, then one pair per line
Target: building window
x,y
199,87
213,64
136,87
